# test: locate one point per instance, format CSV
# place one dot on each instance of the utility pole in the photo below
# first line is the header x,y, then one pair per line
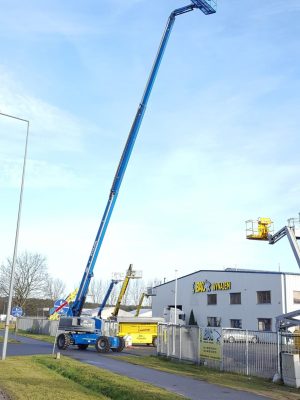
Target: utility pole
x,y
11,286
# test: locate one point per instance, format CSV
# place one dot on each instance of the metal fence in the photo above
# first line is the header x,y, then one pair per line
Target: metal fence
x,y
289,342
246,352
44,326
40,326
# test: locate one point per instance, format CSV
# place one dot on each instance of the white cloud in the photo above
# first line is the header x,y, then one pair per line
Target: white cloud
x,y
39,174
52,132
55,129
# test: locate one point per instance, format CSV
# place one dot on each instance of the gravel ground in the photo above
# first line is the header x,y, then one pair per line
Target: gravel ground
x,y
3,396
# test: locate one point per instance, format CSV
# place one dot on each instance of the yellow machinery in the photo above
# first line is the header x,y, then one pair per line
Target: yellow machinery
x,y
140,304
130,274
261,229
68,299
141,330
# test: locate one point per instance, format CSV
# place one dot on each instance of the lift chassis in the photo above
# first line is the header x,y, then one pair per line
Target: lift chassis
x,y
85,331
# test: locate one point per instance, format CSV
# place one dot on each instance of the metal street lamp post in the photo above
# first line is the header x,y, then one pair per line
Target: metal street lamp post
x,y
175,312
8,311
175,300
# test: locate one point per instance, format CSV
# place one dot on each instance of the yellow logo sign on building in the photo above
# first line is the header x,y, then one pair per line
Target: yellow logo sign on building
x,y
206,286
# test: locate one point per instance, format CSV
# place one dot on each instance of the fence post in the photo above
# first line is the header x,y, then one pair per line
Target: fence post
x,y
198,346
247,353
158,339
168,340
279,345
180,342
222,351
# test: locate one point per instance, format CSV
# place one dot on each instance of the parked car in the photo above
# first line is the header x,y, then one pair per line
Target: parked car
x,y
233,335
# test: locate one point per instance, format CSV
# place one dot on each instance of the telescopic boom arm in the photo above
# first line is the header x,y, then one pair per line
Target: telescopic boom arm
x,y
104,301
207,7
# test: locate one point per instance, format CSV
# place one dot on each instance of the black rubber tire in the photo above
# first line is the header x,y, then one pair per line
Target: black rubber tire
x,y
63,341
120,347
102,344
82,346
154,341
121,344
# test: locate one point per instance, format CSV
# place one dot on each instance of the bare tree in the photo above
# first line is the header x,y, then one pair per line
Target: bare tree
x,y
55,289
136,288
114,294
30,278
97,290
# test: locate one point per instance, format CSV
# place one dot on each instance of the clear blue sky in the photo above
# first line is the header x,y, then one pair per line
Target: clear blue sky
x,y
219,143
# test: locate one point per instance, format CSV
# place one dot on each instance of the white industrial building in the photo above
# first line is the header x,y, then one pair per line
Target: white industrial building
x,y
236,298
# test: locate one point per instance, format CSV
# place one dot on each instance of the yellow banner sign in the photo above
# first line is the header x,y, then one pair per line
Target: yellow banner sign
x,y
210,343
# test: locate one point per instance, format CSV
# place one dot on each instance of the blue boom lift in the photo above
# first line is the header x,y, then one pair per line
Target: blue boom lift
x,y
106,297
82,331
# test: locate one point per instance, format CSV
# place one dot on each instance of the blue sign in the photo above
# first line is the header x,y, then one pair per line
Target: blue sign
x,y
58,303
17,312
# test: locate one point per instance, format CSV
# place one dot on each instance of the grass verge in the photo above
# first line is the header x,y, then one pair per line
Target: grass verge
x,y
44,338
11,327
235,381
45,378
9,340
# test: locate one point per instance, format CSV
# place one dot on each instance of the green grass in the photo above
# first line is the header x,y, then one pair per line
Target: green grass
x,y
11,327
45,378
44,338
9,340
251,384
235,381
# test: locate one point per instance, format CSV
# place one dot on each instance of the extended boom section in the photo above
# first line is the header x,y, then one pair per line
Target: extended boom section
x,y
207,7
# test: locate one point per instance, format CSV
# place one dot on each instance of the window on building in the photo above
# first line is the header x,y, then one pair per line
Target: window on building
x,y
211,299
264,297
264,324
181,316
213,321
296,296
235,298
236,323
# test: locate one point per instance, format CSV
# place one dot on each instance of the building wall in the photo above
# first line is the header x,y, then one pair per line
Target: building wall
x,y
245,282
292,284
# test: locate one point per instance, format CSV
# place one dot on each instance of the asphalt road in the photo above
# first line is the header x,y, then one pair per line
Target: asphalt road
x,y
188,387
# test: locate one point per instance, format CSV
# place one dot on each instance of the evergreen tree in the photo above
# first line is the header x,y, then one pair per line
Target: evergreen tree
x,y
192,320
